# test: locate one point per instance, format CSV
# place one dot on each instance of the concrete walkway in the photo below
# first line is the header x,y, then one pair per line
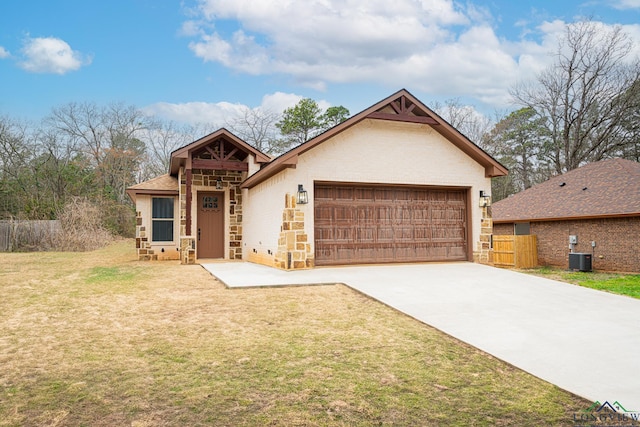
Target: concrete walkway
x,y
582,340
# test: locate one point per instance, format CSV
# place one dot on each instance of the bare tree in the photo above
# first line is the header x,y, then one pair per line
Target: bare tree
x,y
16,152
110,138
465,118
585,95
15,149
257,126
163,138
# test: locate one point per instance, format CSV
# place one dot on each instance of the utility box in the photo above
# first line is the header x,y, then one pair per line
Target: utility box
x,y
580,262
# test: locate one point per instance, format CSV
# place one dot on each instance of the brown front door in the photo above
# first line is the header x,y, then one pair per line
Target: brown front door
x,y
210,225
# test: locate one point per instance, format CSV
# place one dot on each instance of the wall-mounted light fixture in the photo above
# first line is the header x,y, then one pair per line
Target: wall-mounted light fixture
x,y
219,184
302,197
485,199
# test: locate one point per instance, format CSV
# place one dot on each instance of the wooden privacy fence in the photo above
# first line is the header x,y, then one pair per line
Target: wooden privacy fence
x,y
515,251
27,235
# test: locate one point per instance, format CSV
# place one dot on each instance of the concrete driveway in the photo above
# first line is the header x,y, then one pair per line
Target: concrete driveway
x,y
584,341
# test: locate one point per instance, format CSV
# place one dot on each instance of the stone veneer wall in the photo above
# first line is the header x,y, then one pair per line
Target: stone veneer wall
x,y
206,180
482,254
143,246
294,250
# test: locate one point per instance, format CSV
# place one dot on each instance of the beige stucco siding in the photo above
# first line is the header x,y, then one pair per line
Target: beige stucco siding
x,y
372,151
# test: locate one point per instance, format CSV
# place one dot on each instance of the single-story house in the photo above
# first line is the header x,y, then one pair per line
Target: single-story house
x,y
594,209
393,183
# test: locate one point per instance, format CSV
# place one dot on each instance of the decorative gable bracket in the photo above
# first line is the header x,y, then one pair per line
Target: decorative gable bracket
x,y
403,110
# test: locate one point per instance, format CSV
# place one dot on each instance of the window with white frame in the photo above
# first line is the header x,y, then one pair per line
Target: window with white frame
x,y
162,219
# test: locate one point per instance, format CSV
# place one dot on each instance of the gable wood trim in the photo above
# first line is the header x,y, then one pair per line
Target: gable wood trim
x,y
403,118
219,164
266,172
182,155
492,167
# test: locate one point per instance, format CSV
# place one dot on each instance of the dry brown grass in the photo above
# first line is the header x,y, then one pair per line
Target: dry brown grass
x,y
99,339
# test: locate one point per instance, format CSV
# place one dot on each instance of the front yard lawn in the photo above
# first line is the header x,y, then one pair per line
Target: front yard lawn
x,y
99,339
623,284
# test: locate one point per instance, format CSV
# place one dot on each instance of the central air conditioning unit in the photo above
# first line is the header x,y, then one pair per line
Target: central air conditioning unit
x,y
580,262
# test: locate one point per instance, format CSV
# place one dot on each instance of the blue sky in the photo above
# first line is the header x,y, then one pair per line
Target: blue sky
x,y
201,60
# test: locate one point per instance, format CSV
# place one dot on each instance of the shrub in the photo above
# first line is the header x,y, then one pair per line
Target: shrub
x,y
82,227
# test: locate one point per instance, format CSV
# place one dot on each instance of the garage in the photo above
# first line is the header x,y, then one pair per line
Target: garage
x,y
361,223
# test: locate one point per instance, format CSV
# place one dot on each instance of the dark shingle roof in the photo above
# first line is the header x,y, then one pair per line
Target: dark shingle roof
x,y
600,189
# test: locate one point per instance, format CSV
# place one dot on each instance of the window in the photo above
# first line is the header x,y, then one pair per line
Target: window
x,y
162,219
521,228
209,202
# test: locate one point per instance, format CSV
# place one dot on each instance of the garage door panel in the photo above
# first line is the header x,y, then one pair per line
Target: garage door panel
x,y
366,234
383,194
404,234
344,193
364,193
365,214
360,224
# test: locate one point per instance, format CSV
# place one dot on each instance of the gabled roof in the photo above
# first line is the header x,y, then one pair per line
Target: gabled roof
x,y
161,185
608,188
179,156
401,106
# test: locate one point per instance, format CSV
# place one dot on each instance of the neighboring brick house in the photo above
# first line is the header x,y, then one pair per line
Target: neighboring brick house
x,y
599,203
393,183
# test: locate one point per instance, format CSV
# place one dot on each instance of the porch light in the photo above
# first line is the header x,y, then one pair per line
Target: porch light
x,y
219,184
485,199
302,197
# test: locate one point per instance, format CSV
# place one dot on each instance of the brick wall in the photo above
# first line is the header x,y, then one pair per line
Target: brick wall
x,y
617,242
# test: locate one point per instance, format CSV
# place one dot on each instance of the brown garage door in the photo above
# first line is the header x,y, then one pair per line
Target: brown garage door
x,y
367,224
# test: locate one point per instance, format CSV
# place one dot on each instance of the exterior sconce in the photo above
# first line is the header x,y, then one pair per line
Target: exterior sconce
x,y
219,184
302,198
485,199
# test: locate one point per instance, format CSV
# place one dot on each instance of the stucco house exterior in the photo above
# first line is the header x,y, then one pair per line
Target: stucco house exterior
x,y
598,204
393,183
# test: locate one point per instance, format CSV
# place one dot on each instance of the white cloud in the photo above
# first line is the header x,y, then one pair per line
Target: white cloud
x,y
217,114
626,4
441,47
432,45
4,53
51,55
299,35
214,114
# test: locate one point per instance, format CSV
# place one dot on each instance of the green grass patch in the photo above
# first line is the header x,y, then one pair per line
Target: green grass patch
x,y
622,284
111,275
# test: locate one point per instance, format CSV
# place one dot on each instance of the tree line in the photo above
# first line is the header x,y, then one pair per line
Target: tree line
x,y
583,108
95,152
